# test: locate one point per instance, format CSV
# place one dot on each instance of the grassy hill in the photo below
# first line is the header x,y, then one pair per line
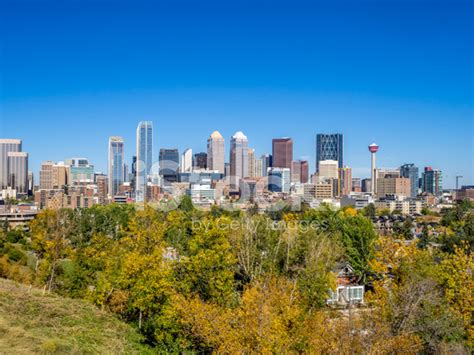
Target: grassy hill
x,y
31,322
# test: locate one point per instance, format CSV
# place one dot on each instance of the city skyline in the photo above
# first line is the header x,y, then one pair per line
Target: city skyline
x,y
360,172
348,69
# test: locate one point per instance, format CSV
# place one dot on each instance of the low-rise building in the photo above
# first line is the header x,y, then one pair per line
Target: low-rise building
x,y
357,200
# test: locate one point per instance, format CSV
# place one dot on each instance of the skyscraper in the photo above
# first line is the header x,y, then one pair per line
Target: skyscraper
x,y
279,180
6,146
18,172
251,160
169,165
187,161
54,175
239,163
432,181
345,181
299,171
200,161
410,171
80,170
328,169
282,152
267,162
216,152
116,161
330,147
144,157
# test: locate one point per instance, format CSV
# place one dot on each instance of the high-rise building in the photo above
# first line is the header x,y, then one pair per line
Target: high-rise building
x,y
410,171
216,152
432,181
187,161
356,185
101,181
267,162
6,146
328,169
116,161
345,181
366,185
251,158
169,166
258,168
330,147
200,161
17,167
388,186
144,158
80,170
54,175
279,180
300,171
132,175
282,152
239,156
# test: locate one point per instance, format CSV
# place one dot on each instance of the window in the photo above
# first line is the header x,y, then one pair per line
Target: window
x,y
356,293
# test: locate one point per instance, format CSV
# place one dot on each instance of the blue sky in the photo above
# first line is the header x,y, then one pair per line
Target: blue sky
x,y
399,73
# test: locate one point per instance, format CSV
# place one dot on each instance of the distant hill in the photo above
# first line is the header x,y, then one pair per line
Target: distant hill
x,y
31,322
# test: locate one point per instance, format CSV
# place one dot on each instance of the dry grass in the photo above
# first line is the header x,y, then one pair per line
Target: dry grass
x,y
31,322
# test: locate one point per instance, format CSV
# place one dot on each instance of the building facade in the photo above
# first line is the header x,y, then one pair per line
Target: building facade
x,y
330,147
216,152
17,167
432,181
279,180
7,146
239,156
187,161
328,169
144,154
299,171
200,161
267,162
410,171
345,181
397,186
169,165
116,162
80,170
282,153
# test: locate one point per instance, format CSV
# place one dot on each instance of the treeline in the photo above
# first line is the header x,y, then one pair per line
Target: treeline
x,y
232,281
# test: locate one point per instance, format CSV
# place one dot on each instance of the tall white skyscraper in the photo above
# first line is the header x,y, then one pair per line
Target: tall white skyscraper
x,y
144,158
216,152
187,161
6,146
239,155
116,163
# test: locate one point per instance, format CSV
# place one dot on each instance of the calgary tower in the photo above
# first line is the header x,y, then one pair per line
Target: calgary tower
x,y
373,149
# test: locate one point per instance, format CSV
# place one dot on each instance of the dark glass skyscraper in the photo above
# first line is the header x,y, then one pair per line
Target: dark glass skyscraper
x,y
169,165
330,147
410,171
432,181
200,161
